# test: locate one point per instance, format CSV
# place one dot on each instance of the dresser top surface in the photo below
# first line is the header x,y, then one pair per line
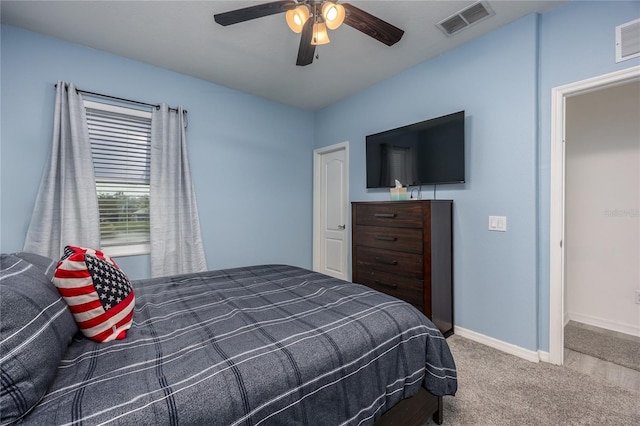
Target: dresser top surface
x,y
402,202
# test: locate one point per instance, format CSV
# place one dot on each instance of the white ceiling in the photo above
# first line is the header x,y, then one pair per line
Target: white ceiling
x,y
258,56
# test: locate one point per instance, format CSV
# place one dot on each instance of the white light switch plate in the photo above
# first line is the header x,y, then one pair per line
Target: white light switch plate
x,y
498,223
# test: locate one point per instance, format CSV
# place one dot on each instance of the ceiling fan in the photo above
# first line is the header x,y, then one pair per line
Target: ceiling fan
x,y
312,18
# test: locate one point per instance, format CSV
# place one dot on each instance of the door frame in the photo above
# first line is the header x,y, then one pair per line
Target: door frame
x,y
317,200
557,282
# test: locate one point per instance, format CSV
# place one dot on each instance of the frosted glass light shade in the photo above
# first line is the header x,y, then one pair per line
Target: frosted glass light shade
x,y
320,35
333,14
297,17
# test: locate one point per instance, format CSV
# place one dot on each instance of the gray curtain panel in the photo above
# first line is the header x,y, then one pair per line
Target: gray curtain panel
x,y
66,208
176,241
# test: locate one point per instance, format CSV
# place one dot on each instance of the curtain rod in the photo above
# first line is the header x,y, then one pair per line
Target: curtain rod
x,y
156,106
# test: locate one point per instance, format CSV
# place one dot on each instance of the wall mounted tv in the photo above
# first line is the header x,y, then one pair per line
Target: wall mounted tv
x,y
426,153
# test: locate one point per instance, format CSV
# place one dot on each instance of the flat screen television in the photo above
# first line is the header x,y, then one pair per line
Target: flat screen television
x,y
425,153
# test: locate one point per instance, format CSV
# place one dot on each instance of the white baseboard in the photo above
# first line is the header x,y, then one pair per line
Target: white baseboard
x,y
633,330
529,355
544,356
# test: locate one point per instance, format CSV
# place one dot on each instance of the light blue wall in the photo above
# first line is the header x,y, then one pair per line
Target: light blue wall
x,y
503,81
251,158
494,80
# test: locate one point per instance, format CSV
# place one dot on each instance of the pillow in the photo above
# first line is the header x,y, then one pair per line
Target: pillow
x,y
98,293
35,331
45,264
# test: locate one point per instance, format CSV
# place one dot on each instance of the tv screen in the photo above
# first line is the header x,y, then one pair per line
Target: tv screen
x,y
424,153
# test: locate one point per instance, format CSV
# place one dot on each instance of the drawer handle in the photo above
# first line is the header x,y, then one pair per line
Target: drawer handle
x,y
381,284
387,215
385,238
386,261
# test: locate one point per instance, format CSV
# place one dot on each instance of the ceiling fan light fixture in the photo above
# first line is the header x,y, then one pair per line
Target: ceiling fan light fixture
x,y
297,17
320,35
311,18
333,14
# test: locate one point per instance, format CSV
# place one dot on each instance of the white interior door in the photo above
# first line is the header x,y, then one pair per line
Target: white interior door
x,y
331,210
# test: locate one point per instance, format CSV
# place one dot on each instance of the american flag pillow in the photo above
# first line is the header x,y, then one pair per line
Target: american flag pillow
x,y
97,292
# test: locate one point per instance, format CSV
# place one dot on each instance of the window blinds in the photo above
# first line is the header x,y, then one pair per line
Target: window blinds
x,y
121,147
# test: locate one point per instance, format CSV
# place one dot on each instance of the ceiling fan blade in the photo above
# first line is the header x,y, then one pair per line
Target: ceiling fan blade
x,y
372,26
253,12
306,49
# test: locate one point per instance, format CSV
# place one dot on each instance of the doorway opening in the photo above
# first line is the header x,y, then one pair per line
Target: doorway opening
x,y
557,250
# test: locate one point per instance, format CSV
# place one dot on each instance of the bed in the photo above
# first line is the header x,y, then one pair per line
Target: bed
x,y
257,345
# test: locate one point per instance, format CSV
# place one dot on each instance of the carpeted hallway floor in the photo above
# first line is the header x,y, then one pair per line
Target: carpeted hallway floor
x,y
618,348
603,354
499,389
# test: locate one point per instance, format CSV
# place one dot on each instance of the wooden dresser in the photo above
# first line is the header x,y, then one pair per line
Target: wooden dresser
x,y
405,249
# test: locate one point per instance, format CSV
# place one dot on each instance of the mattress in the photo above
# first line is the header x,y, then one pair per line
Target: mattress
x,y
268,344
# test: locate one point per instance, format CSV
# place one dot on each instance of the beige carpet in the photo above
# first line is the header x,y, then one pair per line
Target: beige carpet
x,y
610,346
500,389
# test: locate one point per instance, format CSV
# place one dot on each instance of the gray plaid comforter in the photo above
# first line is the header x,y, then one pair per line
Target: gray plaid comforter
x,y
269,345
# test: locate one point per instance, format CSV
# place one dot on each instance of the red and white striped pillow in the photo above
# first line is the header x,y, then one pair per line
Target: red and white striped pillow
x,y
97,292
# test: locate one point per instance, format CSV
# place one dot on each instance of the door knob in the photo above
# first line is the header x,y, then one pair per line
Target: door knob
x,y
342,226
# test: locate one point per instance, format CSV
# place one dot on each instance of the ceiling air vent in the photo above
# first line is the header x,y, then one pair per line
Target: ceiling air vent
x,y
467,16
628,40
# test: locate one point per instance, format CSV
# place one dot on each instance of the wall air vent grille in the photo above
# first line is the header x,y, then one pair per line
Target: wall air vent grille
x,y
466,17
628,40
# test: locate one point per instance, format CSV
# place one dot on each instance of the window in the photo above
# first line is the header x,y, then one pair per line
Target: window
x,y
121,147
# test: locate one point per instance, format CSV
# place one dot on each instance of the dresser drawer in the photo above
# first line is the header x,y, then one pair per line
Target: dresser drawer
x,y
396,262
407,289
401,239
396,214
